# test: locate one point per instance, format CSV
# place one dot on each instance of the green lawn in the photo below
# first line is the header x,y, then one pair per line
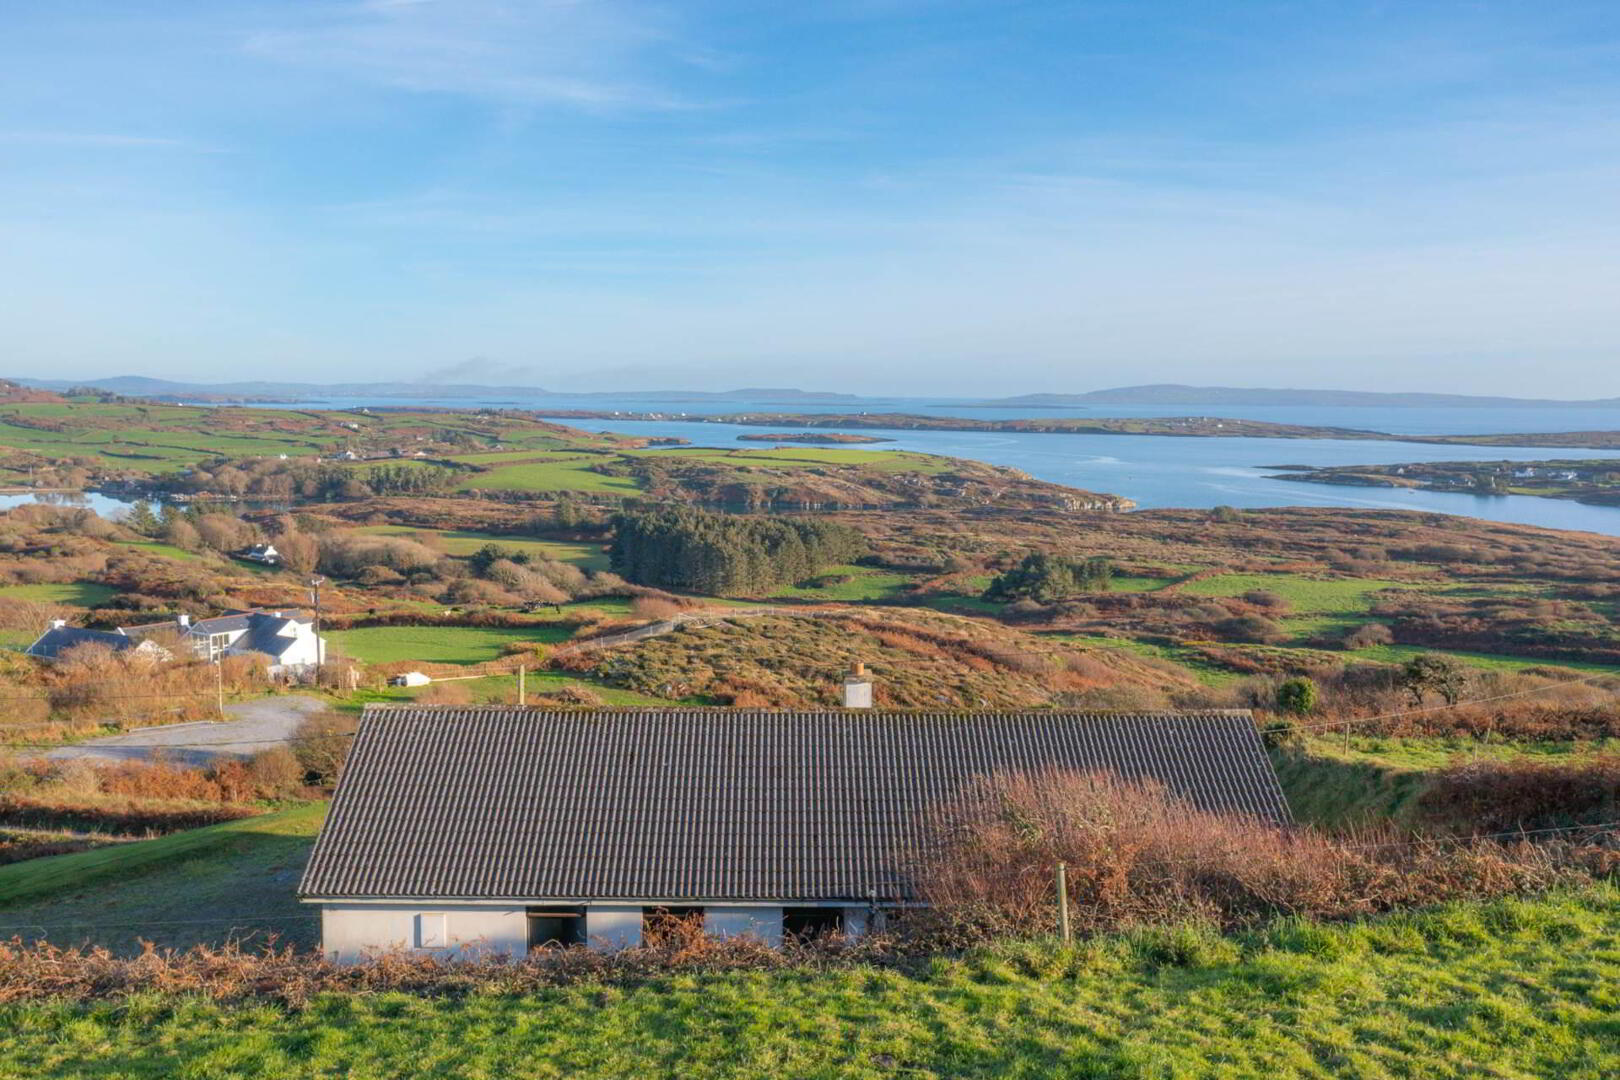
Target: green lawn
x,y
1399,654
167,551
1507,990
1315,605
466,541
195,886
1426,753
793,457
559,471
77,593
865,583
436,644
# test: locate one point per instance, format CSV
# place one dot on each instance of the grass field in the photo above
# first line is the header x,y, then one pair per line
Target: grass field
x,y
202,885
559,471
436,644
1424,753
1506,990
78,593
166,551
1316,606
865,584
463,542
792,457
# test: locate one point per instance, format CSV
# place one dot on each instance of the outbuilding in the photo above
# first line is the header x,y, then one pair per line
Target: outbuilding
x,y
461,830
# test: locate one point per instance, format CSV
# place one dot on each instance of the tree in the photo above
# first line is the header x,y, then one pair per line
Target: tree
x,y
299,552
1436,673
1048,578
142,519
1297,696
726,555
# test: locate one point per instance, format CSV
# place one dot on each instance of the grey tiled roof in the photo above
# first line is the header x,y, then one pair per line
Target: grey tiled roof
x,y
264,635
224,624
59,638
672,804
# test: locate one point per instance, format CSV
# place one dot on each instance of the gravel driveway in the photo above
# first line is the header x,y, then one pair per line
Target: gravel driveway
x,y
257,725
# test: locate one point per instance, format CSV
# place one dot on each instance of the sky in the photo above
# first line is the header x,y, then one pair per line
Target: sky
x,y
885,196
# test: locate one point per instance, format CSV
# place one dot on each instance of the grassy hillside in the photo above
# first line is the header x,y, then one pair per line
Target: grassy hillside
x,y
1511,989
918,659
202,885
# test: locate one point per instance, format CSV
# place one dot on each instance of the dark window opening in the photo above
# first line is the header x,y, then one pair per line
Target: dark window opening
x,y
660,924
560,926
806,923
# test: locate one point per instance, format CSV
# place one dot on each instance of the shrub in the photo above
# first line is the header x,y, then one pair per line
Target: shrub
x,y
1498,796
1136,855
656,607
1297,696
1368,636
1250,629
321,745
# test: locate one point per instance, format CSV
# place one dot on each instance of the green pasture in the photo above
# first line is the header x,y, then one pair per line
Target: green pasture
x,y
866,584
538,473
463,542
437,644
201,885
76,593
791,457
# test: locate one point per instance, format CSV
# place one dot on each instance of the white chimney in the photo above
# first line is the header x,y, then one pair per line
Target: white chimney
x,y
58,624
857,689
184,620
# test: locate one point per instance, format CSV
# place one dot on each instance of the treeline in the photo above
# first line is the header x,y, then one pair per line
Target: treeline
x,y
271,478
725,555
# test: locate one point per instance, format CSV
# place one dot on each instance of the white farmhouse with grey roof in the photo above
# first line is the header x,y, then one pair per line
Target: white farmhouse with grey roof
x,y
458,830
286,639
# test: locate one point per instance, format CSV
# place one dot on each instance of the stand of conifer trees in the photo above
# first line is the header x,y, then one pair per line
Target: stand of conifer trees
x,y
726,555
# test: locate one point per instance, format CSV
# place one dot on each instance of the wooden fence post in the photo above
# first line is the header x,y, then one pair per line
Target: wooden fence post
x,y
1063,902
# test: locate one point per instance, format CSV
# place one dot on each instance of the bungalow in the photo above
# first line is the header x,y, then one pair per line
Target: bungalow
x,y
499,829
287,639
59,637
262,553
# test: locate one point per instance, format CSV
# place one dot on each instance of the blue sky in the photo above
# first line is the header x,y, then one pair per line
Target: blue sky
x,y
935,196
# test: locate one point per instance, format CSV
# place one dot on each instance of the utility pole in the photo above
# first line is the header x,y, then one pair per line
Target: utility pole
x,y
523,670
320,649
1063,902
219,686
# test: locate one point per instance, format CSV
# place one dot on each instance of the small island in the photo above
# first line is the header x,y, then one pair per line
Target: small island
x,y
1596,482
820,438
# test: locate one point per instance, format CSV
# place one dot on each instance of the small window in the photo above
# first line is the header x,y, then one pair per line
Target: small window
x,y
559,926
432,931
807,923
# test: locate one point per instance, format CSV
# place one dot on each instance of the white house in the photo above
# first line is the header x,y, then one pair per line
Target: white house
x,y
287,639
262,553
463,831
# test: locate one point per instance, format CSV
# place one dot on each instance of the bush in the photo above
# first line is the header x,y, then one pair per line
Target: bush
x,y
1136,855
321,745
1499,796
1297,696
1250,629
1368,636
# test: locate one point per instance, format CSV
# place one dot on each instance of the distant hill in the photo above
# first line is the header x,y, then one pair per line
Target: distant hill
x,y
1176,394
141,386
